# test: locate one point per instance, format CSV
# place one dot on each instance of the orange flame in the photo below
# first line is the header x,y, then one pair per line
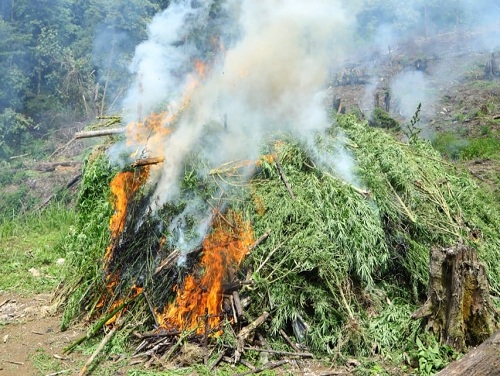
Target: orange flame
x,y
201,293
123,187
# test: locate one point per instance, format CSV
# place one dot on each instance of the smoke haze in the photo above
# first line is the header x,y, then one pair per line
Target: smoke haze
x,y
266,75
228,73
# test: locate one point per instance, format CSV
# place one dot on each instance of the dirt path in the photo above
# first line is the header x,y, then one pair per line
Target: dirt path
x,y
31,342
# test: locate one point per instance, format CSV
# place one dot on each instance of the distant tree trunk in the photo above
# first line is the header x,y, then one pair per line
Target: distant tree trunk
x,y
458,306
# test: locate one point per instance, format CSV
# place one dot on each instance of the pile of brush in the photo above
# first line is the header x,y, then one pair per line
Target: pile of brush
x,y
340,263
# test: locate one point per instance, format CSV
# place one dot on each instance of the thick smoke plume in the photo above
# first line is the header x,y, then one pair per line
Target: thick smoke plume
x,y
262,71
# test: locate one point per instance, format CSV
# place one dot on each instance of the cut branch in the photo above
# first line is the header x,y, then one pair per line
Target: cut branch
x,y
99,133
101,346
267,366
282,175
245,333
147,161
277,352
258,241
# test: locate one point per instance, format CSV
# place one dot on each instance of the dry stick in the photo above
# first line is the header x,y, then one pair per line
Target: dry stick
x,y
246,331
289,341
269,256
14,362
182,337
147,161
265,367
101,346
151,308
259,240
282,175
100,133
217,360
72,182
247,364
278,352
58,373
19,156
4,302
93,331
62,147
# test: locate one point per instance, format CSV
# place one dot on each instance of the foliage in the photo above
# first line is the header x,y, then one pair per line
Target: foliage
x,y
346,260
484,147
449,145
87,240
431,357
382,119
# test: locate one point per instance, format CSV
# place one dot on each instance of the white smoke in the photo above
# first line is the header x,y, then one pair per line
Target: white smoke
x,y
269,79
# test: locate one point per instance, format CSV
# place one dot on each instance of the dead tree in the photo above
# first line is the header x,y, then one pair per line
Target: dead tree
x,y
491,69
458,306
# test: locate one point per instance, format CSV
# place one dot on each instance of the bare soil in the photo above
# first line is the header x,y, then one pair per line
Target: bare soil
x,y
30,336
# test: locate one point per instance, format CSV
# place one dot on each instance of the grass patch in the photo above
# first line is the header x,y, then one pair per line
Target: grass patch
x,y
485,147
29,242
449,145
46,363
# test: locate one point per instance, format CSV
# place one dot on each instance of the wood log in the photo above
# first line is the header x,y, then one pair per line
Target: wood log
x,y
100,133
458,306
484,360
147,161
51,166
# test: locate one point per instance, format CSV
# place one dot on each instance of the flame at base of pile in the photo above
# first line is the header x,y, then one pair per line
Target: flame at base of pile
x,y
199,299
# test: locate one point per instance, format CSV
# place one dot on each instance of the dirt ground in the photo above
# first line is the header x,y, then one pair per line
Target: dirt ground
x,y
30,336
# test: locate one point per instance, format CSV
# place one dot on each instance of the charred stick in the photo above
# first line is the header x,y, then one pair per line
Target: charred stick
x,y
233,309
277,352
237,304
289,341
267,366
100,133
150,305
282,175
205,337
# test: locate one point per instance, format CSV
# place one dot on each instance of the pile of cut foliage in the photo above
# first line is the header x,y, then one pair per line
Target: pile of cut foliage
x,y
345,264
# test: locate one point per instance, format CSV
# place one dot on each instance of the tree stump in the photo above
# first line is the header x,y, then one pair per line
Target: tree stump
x,y
458,306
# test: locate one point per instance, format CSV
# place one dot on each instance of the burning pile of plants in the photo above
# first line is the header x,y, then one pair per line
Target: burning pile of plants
x,y
238,218
278,255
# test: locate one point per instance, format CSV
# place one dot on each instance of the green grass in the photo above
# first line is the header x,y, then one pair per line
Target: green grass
x,y
484,147
29,242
